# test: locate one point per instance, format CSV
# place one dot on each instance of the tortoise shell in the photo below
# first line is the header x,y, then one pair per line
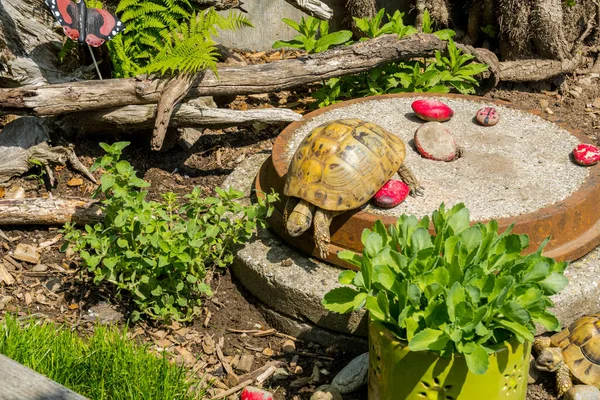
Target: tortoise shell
x,y
341,164
580,344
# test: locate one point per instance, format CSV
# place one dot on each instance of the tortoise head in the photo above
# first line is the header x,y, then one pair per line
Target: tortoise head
x,y
300,219
549,359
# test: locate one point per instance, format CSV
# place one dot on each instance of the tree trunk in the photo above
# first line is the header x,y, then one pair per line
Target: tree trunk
x,y
40,211
548,37
262,78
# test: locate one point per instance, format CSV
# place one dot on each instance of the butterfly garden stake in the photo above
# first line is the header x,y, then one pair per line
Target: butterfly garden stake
x,y
93,26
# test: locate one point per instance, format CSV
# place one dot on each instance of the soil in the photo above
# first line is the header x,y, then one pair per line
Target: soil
x,y
61,293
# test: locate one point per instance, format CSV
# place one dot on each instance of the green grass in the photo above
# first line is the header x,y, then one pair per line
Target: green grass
x,y
105,366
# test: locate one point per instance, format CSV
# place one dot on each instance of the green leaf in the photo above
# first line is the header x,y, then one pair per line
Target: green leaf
x,y
547,320
346,277
554,283
519,330
515,312
373,244
456,295
332,39
429,339
350,257
342,300
107,181
477,359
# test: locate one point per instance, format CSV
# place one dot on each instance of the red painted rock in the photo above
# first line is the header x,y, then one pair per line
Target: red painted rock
x,y
435,142
254,393
391,194
487,116
586,154
432,110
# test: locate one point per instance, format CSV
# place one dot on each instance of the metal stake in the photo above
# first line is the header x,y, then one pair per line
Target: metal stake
x,y
95,63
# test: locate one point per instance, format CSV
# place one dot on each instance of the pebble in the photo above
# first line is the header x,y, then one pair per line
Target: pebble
x,y
280,374
326,392
582,392
40,268
432,110
435,142
586,154
544,103
289,346
254,393
53,284
487,116
391,194
549,111
353,376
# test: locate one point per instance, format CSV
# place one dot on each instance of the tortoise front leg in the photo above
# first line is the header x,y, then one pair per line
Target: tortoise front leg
x,y
411,180
321,222
563,380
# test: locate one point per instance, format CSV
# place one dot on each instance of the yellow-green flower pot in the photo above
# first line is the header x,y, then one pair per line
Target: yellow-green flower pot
x,y
397,373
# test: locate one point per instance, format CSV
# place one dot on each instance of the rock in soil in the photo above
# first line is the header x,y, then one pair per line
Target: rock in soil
x,y
326,392
254,393
435,142
289,346
583,392
353,376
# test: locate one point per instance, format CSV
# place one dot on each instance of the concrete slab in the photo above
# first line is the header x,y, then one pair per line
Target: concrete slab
x,y
291,285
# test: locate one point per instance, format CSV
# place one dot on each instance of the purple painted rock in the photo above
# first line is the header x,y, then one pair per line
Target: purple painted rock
x,y
586,154
254,393
487,116
435,142
432,110
391,194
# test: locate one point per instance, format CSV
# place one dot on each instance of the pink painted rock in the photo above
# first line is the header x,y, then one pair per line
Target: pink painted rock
x,y
391,194
586,154
254,393
487,116
432,110
435,142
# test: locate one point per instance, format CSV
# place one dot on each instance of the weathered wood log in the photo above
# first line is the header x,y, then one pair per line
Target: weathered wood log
x,y
219,4
315,8
239,80
40,211
538,70
190,114
27,52
21,383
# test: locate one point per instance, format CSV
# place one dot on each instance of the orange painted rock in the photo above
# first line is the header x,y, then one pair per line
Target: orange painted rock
x,y
432,110
487,116
435,142
391,194
586,154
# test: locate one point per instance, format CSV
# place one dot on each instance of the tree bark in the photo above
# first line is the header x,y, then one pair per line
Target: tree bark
x,y
27,50
40,211
315,8
238,80
191,114
218,4
537,70
548,37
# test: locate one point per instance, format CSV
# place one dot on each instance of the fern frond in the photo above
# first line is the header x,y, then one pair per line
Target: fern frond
x,y
127,4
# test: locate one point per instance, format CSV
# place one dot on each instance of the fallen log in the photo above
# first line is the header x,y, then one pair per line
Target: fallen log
x,y
233,80
315,8
40,211
190,114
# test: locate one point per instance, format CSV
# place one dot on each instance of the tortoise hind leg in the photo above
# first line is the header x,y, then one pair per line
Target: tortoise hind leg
x,y
289,207
321,222
411,180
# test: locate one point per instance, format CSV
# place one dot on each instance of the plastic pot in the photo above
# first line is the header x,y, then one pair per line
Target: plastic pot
x,y
397,373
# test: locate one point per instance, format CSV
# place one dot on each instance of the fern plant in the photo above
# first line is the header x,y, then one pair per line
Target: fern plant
x,y
168,36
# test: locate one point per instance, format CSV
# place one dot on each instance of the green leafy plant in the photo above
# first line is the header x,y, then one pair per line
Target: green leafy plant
x,y
427,27
159,252
107,365
314,35
466,289
168,36
374,27
38,171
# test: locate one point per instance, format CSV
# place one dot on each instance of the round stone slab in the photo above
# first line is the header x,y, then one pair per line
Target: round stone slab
x,y
291,285
434,141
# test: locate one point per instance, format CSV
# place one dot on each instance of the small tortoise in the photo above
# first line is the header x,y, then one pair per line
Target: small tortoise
x,y
338,167
573,353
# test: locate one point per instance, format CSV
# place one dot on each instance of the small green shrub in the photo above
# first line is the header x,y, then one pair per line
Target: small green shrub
x,y
105,366
314,36
466,289
159,252
374,27
168,36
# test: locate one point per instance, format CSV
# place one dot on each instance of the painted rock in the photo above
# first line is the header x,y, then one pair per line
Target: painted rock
x,y
254,393
586,154
391,194
432,110
583,392
487,116
435,142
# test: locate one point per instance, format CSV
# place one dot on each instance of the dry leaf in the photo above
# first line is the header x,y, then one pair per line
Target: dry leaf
x,y
73,306
5,276
28,298
75,182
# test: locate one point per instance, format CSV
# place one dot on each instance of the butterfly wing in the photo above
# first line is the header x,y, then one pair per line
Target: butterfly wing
x,y
67,14
101,25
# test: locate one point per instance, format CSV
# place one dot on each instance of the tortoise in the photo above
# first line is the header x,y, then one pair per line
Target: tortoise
x,y
338,167
573,353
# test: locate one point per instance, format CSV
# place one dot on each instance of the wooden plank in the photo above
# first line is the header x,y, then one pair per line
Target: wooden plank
x,y
18,382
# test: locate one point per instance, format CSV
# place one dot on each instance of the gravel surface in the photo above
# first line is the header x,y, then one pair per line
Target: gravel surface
x,y
518,166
